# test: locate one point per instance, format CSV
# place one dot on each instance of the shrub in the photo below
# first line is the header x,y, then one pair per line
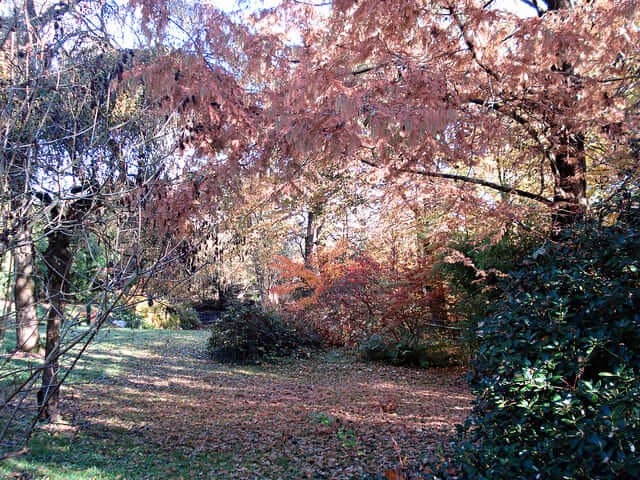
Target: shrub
x,y
306,332
155,314
557,369
353,296
374,348
410,351
189,319
248,334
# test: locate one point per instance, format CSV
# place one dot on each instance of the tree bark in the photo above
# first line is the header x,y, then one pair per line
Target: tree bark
x,y
58,258
28,337
309,239
312,233
569,169
568,161
558,4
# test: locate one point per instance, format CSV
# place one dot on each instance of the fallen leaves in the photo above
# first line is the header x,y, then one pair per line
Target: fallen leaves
x,y
394,475
305,417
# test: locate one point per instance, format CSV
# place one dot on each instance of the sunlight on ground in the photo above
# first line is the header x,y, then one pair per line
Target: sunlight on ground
x,y
149,404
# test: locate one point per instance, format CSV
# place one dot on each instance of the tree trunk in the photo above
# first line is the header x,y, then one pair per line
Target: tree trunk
x,y
422,226
222,296
568,162
58,258
312,233
3,328
28,337
308,239
570,182
558,4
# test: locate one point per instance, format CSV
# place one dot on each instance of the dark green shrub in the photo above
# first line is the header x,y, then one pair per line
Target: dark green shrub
x,y
248,334
374,348
557,368
409,351
189,319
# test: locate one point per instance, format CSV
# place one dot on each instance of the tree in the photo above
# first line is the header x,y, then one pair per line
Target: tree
x,y
438,90
106,139
489,73
80,157
21,75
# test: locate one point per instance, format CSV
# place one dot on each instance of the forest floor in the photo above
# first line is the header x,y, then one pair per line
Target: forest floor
x,y
149,404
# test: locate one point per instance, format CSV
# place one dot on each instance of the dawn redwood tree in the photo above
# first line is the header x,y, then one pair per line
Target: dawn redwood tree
x,y
436,90
439,88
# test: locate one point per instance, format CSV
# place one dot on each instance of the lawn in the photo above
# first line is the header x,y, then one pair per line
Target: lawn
x,y
147,404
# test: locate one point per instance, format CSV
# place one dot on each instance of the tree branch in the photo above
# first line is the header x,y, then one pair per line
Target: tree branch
x,y
476,181
15,454
365,69
515,116
470,45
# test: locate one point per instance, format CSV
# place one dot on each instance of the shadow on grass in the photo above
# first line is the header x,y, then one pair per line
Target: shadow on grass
x,y
109,453
150,405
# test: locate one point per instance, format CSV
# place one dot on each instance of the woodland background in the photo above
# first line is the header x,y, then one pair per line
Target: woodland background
x,y
450,186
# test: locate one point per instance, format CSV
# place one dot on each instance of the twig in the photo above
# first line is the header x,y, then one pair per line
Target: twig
x,y
17,453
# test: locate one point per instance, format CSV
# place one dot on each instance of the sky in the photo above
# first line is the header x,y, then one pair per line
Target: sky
x,y
127,38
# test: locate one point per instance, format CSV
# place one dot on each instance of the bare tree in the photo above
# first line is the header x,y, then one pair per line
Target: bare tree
x,y
81,153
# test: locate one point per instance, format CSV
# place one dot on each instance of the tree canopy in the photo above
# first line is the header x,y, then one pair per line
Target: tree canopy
x,y
346,172
468,99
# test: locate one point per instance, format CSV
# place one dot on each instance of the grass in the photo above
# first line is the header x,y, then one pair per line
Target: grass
x,y
148,404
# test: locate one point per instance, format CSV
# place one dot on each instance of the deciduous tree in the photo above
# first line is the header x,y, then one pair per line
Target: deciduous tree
x,y
437,90
79,157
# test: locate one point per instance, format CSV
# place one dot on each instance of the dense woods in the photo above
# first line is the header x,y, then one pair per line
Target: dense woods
x,y
446,186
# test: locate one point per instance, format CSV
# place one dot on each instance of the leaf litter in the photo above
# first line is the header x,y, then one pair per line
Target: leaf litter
x,y
314,417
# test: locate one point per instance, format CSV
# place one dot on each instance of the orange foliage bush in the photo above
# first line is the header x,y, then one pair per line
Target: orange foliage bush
x,y
348,296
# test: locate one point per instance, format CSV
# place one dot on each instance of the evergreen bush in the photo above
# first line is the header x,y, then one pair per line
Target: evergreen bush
x,y
557,368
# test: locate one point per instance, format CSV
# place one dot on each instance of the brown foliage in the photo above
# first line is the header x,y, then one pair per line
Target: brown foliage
x,y
523,104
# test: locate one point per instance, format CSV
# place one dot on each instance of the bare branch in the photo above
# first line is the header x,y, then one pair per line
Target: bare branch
x,y
476,181
15,454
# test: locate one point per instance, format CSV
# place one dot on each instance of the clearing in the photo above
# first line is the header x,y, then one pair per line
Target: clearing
x,y
150,404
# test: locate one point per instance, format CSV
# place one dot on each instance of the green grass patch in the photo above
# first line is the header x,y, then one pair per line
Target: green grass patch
x,y
105,452
119,455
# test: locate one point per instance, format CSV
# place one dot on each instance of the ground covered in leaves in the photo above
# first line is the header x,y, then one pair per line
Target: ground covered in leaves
x,y
150,404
